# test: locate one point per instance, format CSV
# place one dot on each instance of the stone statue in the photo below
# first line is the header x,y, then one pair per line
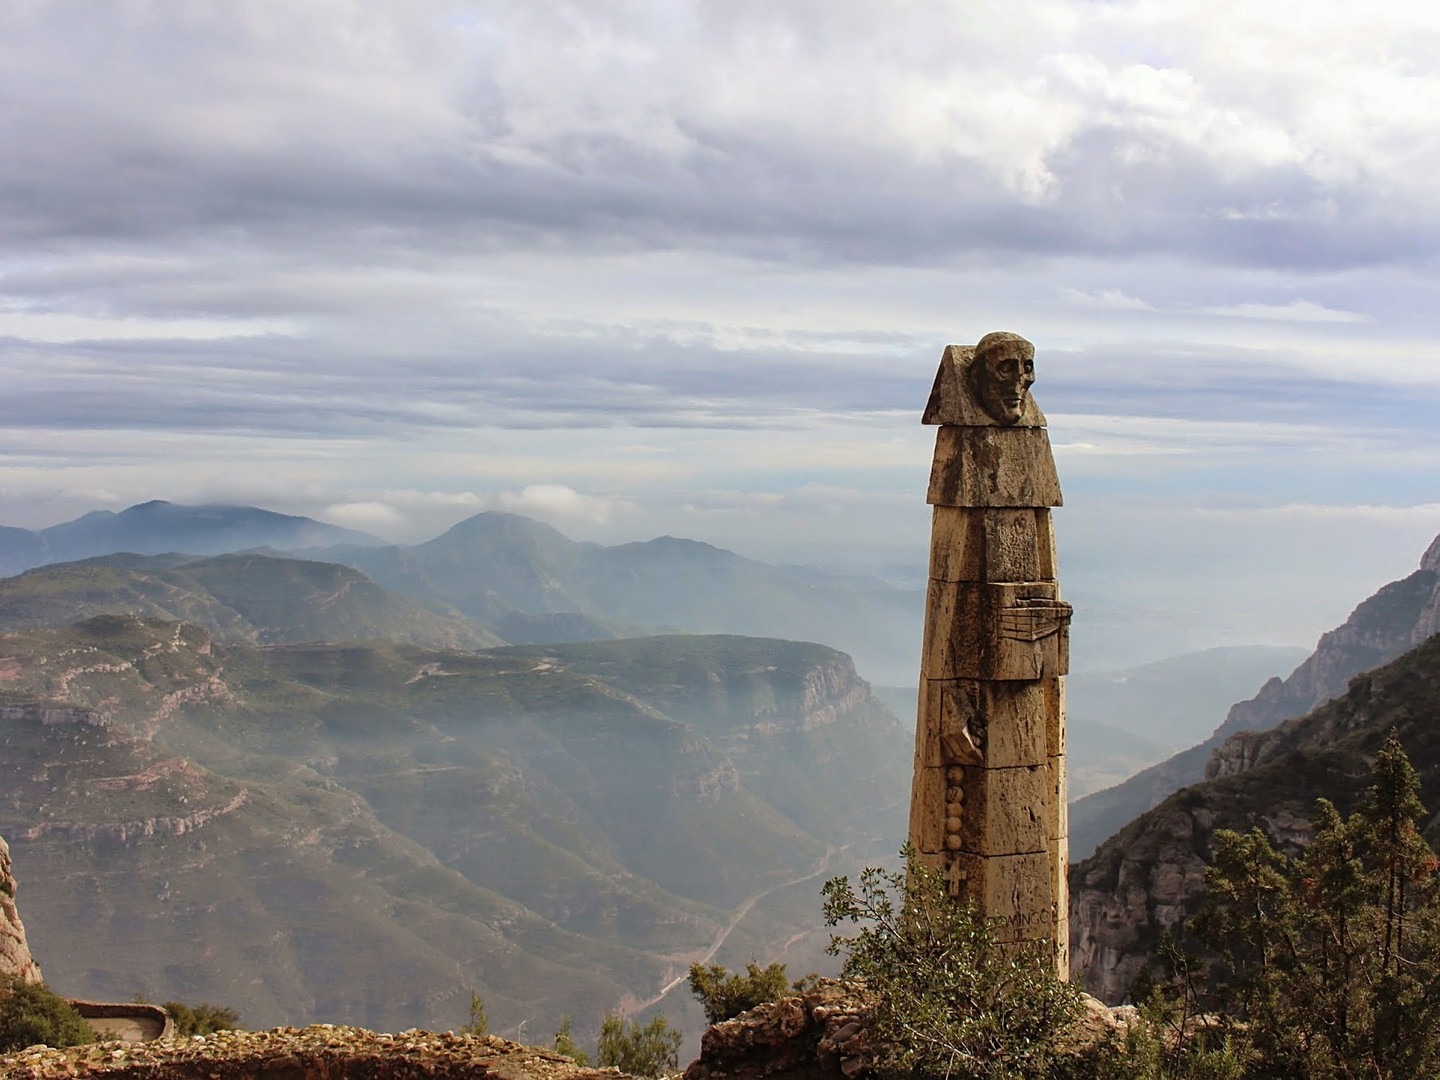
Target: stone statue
x,y
988,801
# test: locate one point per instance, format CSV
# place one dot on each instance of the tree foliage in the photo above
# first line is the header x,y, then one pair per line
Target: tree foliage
x,y
31,1014
950,1001
478,1023
652,1050
1329,963
565,1042
202,1019
723,995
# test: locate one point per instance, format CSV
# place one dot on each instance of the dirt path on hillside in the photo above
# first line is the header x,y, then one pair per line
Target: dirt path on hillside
x,y
735,920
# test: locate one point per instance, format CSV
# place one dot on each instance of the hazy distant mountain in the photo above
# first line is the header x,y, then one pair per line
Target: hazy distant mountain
x,y
253,599
494,566
363,832
1149,877
1177,701
156,527
1399,616
527,582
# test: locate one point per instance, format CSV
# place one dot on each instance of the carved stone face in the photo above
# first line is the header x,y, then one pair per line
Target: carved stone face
x,y
1001,378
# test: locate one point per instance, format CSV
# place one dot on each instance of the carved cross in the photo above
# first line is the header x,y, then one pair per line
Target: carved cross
x,y
955,879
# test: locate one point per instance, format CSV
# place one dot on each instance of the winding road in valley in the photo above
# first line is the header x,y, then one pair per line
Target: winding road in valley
x,y
744,909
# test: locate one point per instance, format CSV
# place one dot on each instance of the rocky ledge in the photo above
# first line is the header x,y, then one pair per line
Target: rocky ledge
x,y
819,1035
319,1052
813,1035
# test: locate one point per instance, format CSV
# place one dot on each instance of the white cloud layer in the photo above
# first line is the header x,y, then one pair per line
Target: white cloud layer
x,y
687,267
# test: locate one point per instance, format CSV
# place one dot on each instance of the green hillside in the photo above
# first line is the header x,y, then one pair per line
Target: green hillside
x,y
249,598
361,832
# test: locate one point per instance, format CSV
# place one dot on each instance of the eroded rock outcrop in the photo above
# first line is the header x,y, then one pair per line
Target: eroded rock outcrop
x,y
807,1037
319,1052
15,958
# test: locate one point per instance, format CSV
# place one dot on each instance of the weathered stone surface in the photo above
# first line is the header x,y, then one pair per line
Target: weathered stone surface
x,y
1057,817
319,1052
971,544
927,810
1003,813
15,958
131,1022
974,722
988,802
951,401
819,1034
1018,888
1004,631
993,467
1055,740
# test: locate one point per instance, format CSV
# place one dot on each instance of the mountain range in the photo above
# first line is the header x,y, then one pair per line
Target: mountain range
x,y
326,763
157,527
521,581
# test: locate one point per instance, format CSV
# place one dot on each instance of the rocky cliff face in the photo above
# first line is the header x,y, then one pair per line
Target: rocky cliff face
x,y
1398,617
15,959
1149,877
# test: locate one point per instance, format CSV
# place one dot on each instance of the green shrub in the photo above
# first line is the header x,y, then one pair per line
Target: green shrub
x,y
565,1043
949,1001
1329,964
653,1050
31,1014
202,1019
479,1023
724,995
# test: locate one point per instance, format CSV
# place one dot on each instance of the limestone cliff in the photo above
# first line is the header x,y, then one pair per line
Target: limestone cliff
x,y
1398,617
1149,877
15,958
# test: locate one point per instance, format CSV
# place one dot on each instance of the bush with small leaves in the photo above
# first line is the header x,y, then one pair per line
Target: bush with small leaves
x,y
565,1043
950,1001
30,1014
1328,964
724,995
202,1019
652,1050
479,1023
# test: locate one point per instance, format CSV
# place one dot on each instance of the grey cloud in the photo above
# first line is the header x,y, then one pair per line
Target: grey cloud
x,y
177,129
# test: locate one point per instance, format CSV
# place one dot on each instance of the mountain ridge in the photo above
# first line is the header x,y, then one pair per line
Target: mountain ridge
x,y
1149,877
511,573
157,527
1395,618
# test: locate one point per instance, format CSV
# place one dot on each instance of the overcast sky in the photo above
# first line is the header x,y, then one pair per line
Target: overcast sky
x,y
684,267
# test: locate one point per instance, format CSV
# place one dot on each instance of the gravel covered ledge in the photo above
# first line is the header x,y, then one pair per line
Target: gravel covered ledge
x,y
318,1052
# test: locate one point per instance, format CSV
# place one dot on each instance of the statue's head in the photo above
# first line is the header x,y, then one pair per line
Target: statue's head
x,y
1001,374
